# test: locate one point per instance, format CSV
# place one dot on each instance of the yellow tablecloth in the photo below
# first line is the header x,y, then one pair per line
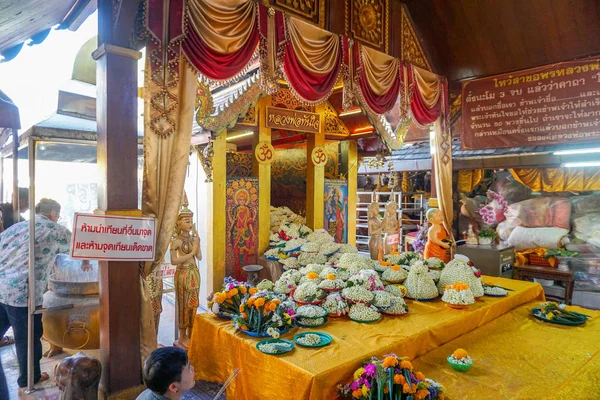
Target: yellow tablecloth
x,y
519,357
217,348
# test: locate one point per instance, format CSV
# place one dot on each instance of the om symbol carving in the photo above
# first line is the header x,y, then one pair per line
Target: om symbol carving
x,y
318,156
264,153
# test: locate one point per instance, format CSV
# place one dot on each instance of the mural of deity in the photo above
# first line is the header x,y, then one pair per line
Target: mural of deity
x,y
335,209
242,225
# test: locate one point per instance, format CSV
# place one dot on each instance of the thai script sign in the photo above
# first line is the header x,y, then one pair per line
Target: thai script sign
x,y
167,270
552,104
114,238
299,121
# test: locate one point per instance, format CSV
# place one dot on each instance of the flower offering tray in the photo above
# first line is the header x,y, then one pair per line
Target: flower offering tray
x,y
496,295
459,367
280,349
366,322
325,339
260,334
537,313
312,326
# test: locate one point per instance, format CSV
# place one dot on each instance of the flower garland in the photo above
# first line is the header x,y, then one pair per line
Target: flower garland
x,y
263,310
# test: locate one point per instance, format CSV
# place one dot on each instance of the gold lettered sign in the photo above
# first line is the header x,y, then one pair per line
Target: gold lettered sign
x,y
299,121
318,156
264,153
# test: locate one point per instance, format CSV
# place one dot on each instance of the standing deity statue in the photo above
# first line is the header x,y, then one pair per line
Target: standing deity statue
x,y
391,227
438,240
185,249
375,228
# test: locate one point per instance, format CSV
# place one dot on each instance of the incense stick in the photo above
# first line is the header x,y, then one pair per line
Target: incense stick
x,y
227,383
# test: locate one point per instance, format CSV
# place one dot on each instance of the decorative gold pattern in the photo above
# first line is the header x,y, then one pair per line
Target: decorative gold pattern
x,y
285,99
206,154
312,11
204,103
229,117
412,51
239,164
249,119
368,22
455,104
333,125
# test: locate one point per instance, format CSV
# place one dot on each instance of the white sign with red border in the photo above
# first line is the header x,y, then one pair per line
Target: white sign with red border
x,y
113,238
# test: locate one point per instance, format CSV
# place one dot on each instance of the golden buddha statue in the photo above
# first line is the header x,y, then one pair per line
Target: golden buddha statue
x,y
391,227
438,240
375,228
184,250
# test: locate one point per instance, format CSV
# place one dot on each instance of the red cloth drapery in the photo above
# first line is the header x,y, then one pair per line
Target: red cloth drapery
x,y
379,104
218,66
420,112
312,88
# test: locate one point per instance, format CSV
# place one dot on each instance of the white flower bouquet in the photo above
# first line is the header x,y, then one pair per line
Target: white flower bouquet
x,y
394,274
265,284
364,313
284,285
336,305
310,247
419,284
355,262
331,283
435,263
320,236
308,292
311,258
382,299
398,307
357,294
394,290
290,263
329,248
310,311
347,248
458,294
294,244
316,268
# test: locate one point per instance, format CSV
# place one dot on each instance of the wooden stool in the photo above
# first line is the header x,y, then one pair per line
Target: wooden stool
x,y
525,272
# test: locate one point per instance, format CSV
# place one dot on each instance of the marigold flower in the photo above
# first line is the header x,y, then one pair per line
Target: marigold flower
x,y
259,302
409,389
232,293
390,361
441,396
252,291
221,297
396,268
272,306
244,328
447,287
331,277
241,308
421,394
312,275
460,353
357,394
386,390
250,301
404,364
277,301
243,289
244,315
420,376
385,263
399,379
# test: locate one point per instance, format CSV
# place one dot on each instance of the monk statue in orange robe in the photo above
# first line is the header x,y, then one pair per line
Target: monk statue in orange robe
x,y
185,249
438,240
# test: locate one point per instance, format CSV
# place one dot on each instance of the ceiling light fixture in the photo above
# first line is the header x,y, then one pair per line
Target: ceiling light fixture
x,y
351,112
578,151
241,135
582,164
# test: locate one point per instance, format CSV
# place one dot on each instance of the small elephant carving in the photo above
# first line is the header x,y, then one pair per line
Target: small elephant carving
x,y
78,377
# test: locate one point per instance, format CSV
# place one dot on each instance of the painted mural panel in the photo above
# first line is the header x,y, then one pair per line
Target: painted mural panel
x,y
242,225
336,209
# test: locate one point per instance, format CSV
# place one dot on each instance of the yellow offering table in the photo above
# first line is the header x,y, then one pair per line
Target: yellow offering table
x,y
217,348
518,357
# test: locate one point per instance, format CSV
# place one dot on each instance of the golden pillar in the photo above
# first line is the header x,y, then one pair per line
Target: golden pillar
x,y
217,219
262,170
315,177
352,188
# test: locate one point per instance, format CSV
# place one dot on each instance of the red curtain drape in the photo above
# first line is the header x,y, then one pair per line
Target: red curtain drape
x,y
379,104
420,112
216,66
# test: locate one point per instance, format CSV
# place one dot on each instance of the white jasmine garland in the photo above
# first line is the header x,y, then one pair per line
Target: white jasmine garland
x,y
363,312
265,284
382,298
308,292
394,290
357,293
458,297
292,274
393,276
320,236
355,262
335,304
316,268
494,290
311,258
329,248
398,307
332,284
326,271
464,361
347,248
309,339
294,244
334,258
272,253
310,247
435,274
458,270
435,263
311,322
290,263
274,348
419,284
305,279
310,311
284,285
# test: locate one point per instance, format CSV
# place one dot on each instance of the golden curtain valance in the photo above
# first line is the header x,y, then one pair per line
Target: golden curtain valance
x,y
316,49
224,25
559,179
429,86
381,70
468,179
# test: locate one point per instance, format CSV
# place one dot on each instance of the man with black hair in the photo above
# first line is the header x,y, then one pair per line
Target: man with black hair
x,y
167,374
8,216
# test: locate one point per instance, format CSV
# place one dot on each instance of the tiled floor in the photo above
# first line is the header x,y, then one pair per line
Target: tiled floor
x,y
48,391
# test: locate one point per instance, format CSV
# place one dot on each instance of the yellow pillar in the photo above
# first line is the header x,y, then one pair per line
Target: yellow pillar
x,y
217,218
315,178
263,173
352,188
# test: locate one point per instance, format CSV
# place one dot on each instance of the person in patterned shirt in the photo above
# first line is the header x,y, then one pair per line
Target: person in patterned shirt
x,y
50,240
